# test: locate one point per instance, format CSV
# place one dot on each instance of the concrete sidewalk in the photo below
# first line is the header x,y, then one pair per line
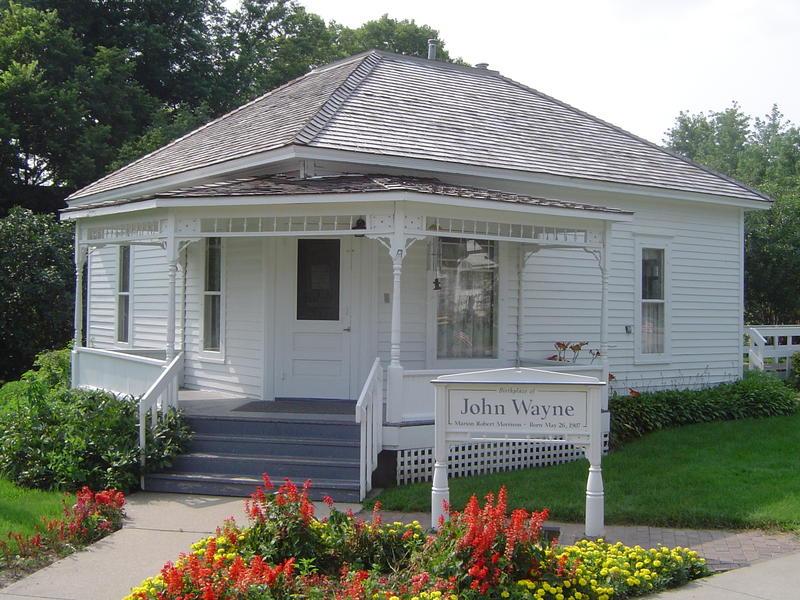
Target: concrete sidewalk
x,y
162,526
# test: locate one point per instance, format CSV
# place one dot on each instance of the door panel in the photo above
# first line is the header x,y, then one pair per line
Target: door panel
x,y
312,348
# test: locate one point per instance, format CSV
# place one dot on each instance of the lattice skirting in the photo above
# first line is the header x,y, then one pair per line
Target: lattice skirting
x,y
475,458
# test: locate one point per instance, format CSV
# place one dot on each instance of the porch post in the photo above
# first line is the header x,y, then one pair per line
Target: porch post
x,y
80,262
394,372
172,273
604,301
81,254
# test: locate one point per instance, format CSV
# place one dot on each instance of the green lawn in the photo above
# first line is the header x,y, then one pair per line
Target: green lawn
x,y
21,508
736,474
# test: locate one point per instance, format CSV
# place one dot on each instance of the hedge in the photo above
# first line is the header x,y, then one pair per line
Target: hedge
x,y
757,395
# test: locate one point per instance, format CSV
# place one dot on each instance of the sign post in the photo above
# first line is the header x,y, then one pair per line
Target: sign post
x,y
520,404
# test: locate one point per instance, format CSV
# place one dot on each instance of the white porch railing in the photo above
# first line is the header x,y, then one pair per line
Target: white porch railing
x,y
154,381
162,394
118,372
772,347
369,414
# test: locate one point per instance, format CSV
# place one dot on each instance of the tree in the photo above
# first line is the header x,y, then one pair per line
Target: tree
x,y
37,276
264,44
63,112
764,153
401,37
171,42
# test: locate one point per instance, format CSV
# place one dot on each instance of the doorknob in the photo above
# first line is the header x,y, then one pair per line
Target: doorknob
x,y
346,329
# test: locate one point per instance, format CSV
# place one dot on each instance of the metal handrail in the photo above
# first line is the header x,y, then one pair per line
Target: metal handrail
x,y
369,414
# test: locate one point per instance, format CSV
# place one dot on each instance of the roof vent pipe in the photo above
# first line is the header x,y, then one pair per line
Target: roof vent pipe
x,y
482,66
432,43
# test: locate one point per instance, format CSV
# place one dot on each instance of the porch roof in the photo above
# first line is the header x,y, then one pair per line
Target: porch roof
x,y
350,184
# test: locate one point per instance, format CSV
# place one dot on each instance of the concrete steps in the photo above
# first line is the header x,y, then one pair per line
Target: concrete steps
x,y
228,454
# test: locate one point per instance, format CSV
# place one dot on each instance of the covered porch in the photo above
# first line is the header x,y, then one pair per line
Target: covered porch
x,y
361,294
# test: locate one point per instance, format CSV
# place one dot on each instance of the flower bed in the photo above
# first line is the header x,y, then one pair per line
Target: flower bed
x,y
479,553
92,517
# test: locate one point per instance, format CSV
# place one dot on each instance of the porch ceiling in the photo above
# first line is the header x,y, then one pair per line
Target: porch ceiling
x,y
254,187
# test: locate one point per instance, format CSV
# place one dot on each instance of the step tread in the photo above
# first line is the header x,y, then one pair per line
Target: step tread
x,y
274,458
276,419
275,439
316,483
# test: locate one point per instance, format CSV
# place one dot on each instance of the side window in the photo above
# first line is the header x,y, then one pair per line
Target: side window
x,y
652,311
212,296
124,294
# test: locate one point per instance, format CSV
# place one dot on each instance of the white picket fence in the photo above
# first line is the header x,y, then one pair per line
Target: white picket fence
x,y
771,347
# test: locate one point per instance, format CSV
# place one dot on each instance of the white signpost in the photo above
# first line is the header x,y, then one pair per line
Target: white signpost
x,y
519,404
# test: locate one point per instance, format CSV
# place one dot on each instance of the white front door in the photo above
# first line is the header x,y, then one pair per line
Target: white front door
x,y
312,345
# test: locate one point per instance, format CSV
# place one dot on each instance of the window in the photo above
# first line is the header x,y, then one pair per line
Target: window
x,y
124,294
318,280
466,315
652,318
212,296
653,301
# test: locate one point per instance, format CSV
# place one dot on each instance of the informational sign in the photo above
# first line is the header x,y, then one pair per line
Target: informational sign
x,y
512,409
519,404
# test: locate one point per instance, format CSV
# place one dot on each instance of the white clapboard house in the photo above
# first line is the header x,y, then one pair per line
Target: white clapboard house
x,y
303,266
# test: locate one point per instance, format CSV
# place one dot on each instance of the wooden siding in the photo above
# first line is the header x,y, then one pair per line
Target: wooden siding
x,y
561,289
101,327
414,312
239,367
562,297
150,296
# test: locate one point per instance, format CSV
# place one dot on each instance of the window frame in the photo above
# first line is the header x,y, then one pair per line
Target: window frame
x,y
206,353
127,294
662,243
432,359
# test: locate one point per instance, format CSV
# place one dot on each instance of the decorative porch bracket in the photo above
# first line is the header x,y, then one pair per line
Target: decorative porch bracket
x,y
397,243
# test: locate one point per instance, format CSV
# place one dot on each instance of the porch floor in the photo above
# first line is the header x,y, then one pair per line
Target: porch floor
x,y
219,404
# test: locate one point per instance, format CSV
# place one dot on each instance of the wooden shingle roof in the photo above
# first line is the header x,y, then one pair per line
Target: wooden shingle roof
x,y
388,104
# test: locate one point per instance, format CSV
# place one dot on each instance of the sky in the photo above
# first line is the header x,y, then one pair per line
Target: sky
x,y
634,63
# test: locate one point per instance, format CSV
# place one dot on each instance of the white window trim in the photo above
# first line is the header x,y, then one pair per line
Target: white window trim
x,y
129,293
216,356
432,361
660,243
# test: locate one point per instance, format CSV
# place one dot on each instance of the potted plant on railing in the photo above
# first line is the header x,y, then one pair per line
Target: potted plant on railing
x,y
575,348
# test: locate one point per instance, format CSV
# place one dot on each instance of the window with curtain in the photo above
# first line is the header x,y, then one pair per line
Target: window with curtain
x,y
212,296
653,301
466,316
124,294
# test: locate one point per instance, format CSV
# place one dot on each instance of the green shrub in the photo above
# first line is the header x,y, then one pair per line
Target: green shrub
x,y
795,370
757,395
62,438
52,369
